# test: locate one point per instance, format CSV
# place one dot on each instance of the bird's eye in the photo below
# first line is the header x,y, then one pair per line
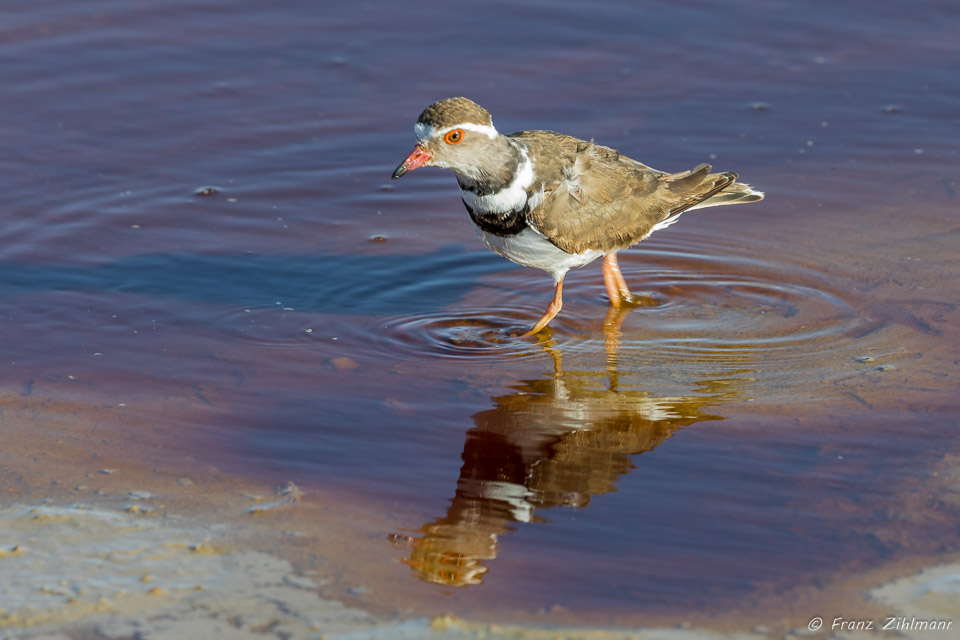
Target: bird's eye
x,y
454,137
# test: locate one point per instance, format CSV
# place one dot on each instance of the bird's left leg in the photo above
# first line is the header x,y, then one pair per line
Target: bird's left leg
x,y
552,310
617,289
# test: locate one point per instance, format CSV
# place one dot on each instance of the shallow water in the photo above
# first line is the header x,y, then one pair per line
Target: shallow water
x,y
199,228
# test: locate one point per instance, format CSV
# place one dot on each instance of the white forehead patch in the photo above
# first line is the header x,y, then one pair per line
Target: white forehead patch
x,y
425,132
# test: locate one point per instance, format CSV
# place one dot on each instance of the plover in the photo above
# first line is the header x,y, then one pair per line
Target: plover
x,y
551,201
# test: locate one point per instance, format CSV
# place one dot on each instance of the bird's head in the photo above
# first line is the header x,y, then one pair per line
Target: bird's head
x,y
456,134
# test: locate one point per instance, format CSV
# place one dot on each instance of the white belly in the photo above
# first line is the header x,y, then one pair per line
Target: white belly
x,y
531,249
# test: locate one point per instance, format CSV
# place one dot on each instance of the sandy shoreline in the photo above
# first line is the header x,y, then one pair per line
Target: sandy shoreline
x,y
99,572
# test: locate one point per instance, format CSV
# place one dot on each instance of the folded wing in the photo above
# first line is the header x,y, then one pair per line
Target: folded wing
x,y
606,202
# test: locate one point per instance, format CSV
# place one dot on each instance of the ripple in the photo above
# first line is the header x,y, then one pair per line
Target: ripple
x,y
692,307
274,326
462,334
725,301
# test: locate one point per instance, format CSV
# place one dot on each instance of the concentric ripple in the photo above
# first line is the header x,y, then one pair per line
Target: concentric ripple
x,y
462,334
719,302
691,307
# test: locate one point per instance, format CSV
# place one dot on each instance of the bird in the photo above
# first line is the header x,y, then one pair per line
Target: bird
x,y
555,202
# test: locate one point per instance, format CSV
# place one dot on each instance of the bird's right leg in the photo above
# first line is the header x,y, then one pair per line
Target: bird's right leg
x,y
616,285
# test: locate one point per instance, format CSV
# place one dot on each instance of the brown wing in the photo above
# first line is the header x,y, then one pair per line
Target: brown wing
x,y
605,202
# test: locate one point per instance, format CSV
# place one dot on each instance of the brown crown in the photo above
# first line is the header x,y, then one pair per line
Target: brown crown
x,y
444,113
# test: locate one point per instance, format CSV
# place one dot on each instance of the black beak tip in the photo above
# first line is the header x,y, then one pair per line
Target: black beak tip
x,y
399,171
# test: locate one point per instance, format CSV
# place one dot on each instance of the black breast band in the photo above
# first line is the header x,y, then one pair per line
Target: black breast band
x,y
500,224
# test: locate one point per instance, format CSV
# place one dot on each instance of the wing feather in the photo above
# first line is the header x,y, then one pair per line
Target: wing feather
x,y
596,199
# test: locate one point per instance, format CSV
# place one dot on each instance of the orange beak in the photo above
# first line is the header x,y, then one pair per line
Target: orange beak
x,y
417,158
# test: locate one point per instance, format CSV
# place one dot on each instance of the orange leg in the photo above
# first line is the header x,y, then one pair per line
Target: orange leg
x,y
617,289
621,281
555,305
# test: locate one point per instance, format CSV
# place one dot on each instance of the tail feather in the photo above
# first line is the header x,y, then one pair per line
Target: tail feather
x,y
698,187
736,193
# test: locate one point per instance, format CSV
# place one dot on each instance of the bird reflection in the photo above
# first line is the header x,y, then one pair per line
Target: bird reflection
x,y
555,441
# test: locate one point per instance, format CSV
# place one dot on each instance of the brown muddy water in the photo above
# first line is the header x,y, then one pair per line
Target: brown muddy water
x,y
209,284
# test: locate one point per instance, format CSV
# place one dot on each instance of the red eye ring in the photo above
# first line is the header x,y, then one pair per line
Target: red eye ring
x,y
454,137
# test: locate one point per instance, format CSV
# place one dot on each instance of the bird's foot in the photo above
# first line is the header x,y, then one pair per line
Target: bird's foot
x,y
541,323
552,310
544,333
